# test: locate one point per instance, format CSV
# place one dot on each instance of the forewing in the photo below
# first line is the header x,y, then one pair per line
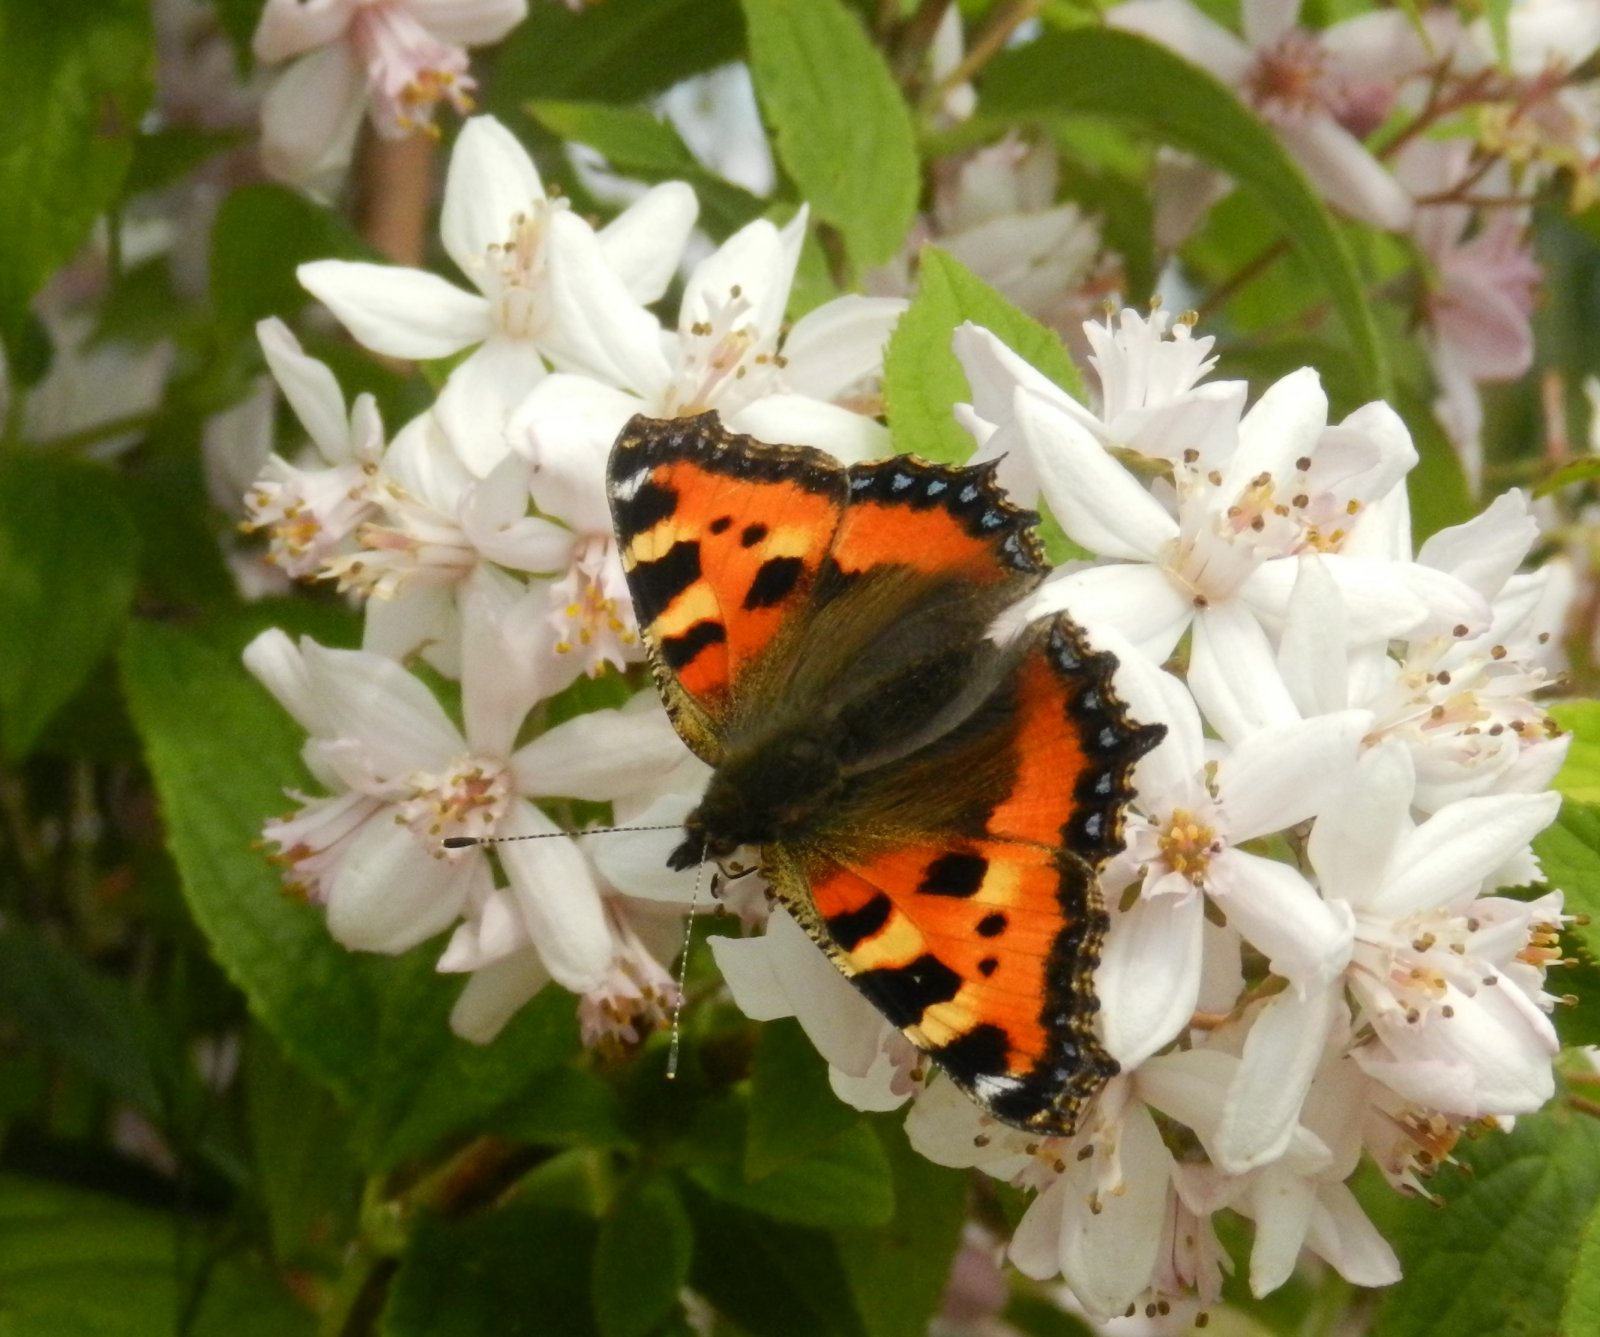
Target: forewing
x,y
722,539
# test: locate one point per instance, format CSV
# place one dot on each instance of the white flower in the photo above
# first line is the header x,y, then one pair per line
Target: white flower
x,y
1449,982
1319,91
633,759
1219,551
730,355
399,59
548,286
1152,399
1183,846
1461,703
404,778
783,974
309,514
996,212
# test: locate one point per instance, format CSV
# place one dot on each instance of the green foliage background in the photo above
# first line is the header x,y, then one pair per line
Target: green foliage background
x,y
215,1120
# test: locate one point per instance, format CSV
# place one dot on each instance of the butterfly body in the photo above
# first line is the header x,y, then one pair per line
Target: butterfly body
x,y
929,802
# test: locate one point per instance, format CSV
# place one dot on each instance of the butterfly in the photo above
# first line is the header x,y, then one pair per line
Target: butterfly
x,y
930,803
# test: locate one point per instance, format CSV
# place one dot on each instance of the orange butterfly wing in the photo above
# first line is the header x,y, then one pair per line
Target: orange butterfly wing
x,y
721,540
954,883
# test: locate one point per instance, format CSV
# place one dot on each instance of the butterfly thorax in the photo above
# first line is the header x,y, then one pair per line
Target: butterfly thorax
x,y
771,790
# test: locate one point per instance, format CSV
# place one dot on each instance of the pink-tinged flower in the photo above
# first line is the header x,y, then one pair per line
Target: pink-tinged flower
x,y
1448,983
311,514
1321,92
395,59
996,212
549,288
1480,287
730,354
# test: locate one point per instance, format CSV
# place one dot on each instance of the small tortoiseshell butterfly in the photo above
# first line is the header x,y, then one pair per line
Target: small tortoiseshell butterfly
x,y
930,805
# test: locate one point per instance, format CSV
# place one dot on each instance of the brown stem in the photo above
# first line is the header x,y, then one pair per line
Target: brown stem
x,y
396,192
988,44
915,39
1251,269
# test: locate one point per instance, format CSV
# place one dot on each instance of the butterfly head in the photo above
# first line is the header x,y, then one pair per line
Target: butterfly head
x,y
760,795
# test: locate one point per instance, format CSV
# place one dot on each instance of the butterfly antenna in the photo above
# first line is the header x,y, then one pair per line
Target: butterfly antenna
x,y
467,842
683,965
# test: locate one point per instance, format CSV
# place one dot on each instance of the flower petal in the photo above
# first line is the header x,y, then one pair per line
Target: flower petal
x,y
494,994
491,182
400,312
802,421
1307,940
1276,778
1096,501
1132,598
644,243
1149,976
558,898
839,343
1233,673
1282,1051
1449,855
310,118
1354,840
311,389
390,893
1109,1260
601,755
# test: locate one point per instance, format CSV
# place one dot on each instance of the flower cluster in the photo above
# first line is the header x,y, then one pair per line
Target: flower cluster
x,y
480,541
1420,126
1307,958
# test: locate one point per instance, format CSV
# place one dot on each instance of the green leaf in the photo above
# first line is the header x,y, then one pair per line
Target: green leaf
x,y
521,1271
425,1084
221,752
898,1274
1132,80
1438,490
261,235
623,50
1039,1317
1521,1212
68,556
639,145
59,1002
788,1281
793,1110
306,1177
1578,471
1569,852
844,1182
82,1265
564,1107
1579,777
922,378
71,96
841,128
642,1259
163,156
